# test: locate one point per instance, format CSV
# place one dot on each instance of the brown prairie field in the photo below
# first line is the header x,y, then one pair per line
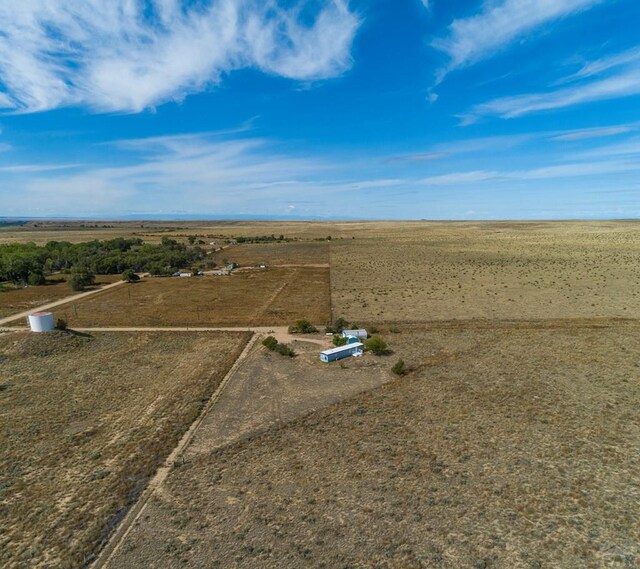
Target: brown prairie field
x,y
41,232
19,299
416,273
273,254
508,447
254,298
512,442
85,422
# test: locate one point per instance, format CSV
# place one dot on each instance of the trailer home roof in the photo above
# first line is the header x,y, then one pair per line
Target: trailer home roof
x,y
343,348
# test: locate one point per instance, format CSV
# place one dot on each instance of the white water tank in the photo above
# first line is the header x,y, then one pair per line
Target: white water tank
x,y
41,321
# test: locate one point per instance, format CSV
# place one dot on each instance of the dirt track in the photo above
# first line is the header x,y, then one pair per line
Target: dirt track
x,y
60,302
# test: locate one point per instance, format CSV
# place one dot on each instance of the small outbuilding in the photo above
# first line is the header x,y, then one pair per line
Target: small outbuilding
x,y
342,352
360,334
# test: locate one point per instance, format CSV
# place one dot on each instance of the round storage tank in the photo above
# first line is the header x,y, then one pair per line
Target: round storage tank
x,y
41,322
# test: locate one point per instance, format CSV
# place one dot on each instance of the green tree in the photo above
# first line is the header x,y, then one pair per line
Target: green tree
x,y
36,278
130,276
339,340
376,345
81,278
340,325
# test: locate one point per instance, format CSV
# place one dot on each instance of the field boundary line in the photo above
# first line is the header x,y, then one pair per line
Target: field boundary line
x,y
57,303
137,509
331,315
265,305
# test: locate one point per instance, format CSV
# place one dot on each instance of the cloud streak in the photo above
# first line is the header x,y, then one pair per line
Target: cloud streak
x,y
128,55
231,172
588,133
609,78
499,24
558,171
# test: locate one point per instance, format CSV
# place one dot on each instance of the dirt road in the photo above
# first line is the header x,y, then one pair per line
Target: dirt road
x,y
281,333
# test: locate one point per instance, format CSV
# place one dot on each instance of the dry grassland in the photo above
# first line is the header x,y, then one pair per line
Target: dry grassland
x,y
269,389
294,253
41,235
512,447
85,423
256,298
513,443
492,270
152,231
18,299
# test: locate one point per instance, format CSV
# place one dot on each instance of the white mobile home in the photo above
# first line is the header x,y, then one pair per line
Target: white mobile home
x,y
342,352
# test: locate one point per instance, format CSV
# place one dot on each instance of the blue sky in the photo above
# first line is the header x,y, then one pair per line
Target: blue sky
x,y
378,109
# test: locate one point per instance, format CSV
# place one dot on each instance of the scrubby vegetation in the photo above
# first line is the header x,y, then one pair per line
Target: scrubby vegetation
x,y
338,326
339,340
376,345
272,344
29,263
302,327
399,368
263,239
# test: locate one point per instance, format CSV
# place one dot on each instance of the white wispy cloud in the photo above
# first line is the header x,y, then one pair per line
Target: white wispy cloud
x,y
128,55
621,85
211,173
599,132
32,168
456,178
498,24
598,66
604,79
418,156
557,171
628,148
218,173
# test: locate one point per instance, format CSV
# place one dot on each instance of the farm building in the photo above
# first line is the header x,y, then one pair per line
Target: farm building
x,y
342,352
360,334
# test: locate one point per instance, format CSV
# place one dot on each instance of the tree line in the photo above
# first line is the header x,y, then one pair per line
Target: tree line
x,y
30,263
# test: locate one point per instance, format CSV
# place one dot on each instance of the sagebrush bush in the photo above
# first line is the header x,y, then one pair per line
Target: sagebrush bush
x,y
376,345
272,344
399,367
